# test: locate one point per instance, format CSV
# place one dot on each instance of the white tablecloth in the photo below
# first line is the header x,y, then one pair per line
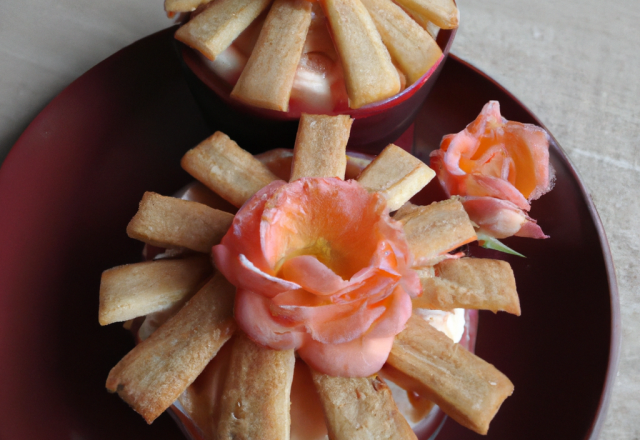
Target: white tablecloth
x,y
574,63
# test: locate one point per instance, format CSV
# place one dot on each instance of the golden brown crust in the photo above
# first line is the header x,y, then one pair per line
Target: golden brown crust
x,y
396,174
369,73
215,28
225,168
133,290
257,393
466,387
183,5
360,408
470,283
321,144
435,229
443,13
411,47
267,79
170,222
152,375
279,163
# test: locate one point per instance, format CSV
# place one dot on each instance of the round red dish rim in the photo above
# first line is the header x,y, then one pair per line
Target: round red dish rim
x,y
87,158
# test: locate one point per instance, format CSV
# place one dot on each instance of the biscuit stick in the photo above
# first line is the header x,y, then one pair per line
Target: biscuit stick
x,y
133,290
257,393
279,163
267,79
426,24
152,376
183,5
443,13
435,229
228,170
470,283
422,21
466,387
360,408
410,46
170,222
215,28
396,174
370,75
320,149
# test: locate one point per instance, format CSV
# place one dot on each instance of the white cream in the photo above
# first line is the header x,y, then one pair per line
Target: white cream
x,y
449,323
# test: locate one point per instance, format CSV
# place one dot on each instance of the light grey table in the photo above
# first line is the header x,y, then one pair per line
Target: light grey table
x,y
574,63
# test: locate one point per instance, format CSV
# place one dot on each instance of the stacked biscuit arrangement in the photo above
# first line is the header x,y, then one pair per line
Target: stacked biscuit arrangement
x,y
192,304
382,45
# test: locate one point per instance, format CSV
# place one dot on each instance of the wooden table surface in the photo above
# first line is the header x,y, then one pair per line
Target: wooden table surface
x,y
574,63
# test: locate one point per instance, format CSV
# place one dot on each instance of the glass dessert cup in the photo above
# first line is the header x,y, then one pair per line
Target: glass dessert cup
x,y
195,411
425,429
374,127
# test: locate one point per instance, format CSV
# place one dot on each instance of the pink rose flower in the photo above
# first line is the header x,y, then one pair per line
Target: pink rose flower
x,y
320,267
498,167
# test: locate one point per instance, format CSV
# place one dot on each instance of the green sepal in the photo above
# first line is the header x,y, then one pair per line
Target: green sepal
x,y
489,242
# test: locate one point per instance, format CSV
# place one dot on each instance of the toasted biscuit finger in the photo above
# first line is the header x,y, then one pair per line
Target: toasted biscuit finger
x,y
443,13
396,174
410,46
267,79
370,75
225,168
257,393
467,388
170,222
412,405
422,21
183,5
133,290
432,29
435,229
360,408
152,376
279,163
320,149
470,283
215,28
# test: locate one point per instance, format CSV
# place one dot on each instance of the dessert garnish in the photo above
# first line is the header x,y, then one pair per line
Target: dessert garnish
x,y
271,51
496,167
317,267
322,268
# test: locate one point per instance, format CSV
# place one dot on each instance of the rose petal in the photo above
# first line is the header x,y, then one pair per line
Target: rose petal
x,y
395,318
500,218
311,274
361,357
243,236
487,186
254,318
530,142
331,323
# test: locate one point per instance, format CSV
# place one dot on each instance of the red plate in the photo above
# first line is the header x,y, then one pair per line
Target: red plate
x,y
74,179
